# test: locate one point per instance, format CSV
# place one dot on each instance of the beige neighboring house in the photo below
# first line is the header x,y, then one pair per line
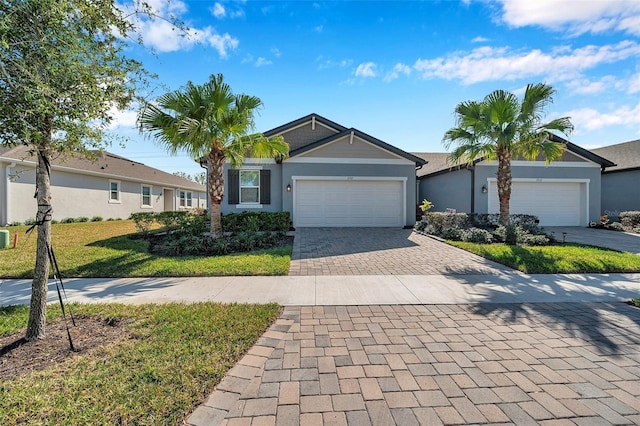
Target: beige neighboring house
x,y
111,187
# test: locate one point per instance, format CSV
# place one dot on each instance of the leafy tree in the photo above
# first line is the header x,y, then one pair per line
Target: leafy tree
x,y
503,127
200,178
62,70
210,121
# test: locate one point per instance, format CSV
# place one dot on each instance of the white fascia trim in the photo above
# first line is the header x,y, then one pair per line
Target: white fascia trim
x,y
255,161
549,180
329,160
520,163
385,178
306,123
351,137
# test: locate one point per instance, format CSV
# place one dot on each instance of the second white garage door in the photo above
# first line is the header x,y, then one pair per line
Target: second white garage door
x,y
555,203
348,203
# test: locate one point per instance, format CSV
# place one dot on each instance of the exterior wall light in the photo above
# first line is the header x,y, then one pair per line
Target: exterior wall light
x,y
289,187
484,189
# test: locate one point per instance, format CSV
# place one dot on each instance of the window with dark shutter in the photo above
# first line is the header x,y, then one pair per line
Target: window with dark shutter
x,y
265,186
234,186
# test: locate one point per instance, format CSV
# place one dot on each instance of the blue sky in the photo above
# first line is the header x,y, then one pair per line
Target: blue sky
x,y
397,69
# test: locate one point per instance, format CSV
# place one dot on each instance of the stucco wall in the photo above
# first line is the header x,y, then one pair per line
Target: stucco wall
x,y
448,191
620,192
356,170
77,195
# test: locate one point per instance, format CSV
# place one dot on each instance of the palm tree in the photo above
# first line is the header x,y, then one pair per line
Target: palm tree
x,y
209,121
502,127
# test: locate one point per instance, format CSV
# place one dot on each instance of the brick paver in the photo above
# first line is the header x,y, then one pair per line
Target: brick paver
x,y
380,251
424,373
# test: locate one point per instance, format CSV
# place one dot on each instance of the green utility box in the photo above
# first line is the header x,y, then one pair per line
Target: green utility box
x,y
4,239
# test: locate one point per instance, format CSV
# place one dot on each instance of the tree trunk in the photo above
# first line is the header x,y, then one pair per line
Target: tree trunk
x,y
215,163
38,306
504,184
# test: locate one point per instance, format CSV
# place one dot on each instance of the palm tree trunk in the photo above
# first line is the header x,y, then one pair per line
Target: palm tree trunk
x,y
504,183
215,163
38,306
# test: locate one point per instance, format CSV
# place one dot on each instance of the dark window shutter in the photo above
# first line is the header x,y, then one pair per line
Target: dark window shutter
x,y
265,186
234,186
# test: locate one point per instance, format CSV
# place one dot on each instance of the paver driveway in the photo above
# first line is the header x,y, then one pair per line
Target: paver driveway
x,y
380,251
623,241
555,364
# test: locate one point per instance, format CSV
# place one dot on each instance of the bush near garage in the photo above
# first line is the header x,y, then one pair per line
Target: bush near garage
x,y
630,221
484,228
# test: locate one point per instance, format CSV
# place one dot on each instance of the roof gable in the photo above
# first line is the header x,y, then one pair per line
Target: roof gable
x,y
439,161
313,131
348,133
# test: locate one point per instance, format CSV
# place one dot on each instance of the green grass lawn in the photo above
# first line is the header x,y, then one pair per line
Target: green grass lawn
x,y
556,259
102,249
172,359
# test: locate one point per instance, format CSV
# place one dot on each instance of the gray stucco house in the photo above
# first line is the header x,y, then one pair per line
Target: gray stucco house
x,y
334,176
621,183
110,187
566,192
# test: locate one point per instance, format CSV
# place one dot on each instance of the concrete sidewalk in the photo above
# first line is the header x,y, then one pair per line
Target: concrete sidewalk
x,y
342,290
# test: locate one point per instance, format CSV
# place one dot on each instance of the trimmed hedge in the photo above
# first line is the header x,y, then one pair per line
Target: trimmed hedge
x,y
255,222
630,219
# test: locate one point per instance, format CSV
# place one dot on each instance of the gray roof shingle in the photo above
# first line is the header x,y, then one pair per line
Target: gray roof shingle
x,y
626,155
110,165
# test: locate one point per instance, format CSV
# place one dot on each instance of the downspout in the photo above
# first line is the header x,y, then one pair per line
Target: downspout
x,y
206,186
7,197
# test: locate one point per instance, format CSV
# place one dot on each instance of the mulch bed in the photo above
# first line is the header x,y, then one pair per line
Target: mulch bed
x,y
19,357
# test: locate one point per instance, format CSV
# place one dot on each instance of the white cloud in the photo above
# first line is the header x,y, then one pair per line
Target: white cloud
x,y
501,63
326,63
592,119
276,52
367,69
121,118
398,69
479,39
159,34
260,62
634,84
584,86
575,17
319,28
218,11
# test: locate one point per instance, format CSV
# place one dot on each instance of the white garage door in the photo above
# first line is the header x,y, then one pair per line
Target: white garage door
x,y
555,203
348,203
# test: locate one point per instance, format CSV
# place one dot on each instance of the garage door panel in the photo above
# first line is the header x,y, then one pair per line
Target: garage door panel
x,y
555,203
350,203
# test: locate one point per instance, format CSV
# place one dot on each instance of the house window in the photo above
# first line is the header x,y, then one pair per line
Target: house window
x,y
186,199
146,196
249,186
114,191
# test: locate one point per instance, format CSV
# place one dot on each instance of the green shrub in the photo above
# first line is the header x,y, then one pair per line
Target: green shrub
x,y
53,221
476,235
67,220
170,219
440,220
96,219
615,226
82,219
256,221
491,220
636,229
520,235
451,234
143,221
630,219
